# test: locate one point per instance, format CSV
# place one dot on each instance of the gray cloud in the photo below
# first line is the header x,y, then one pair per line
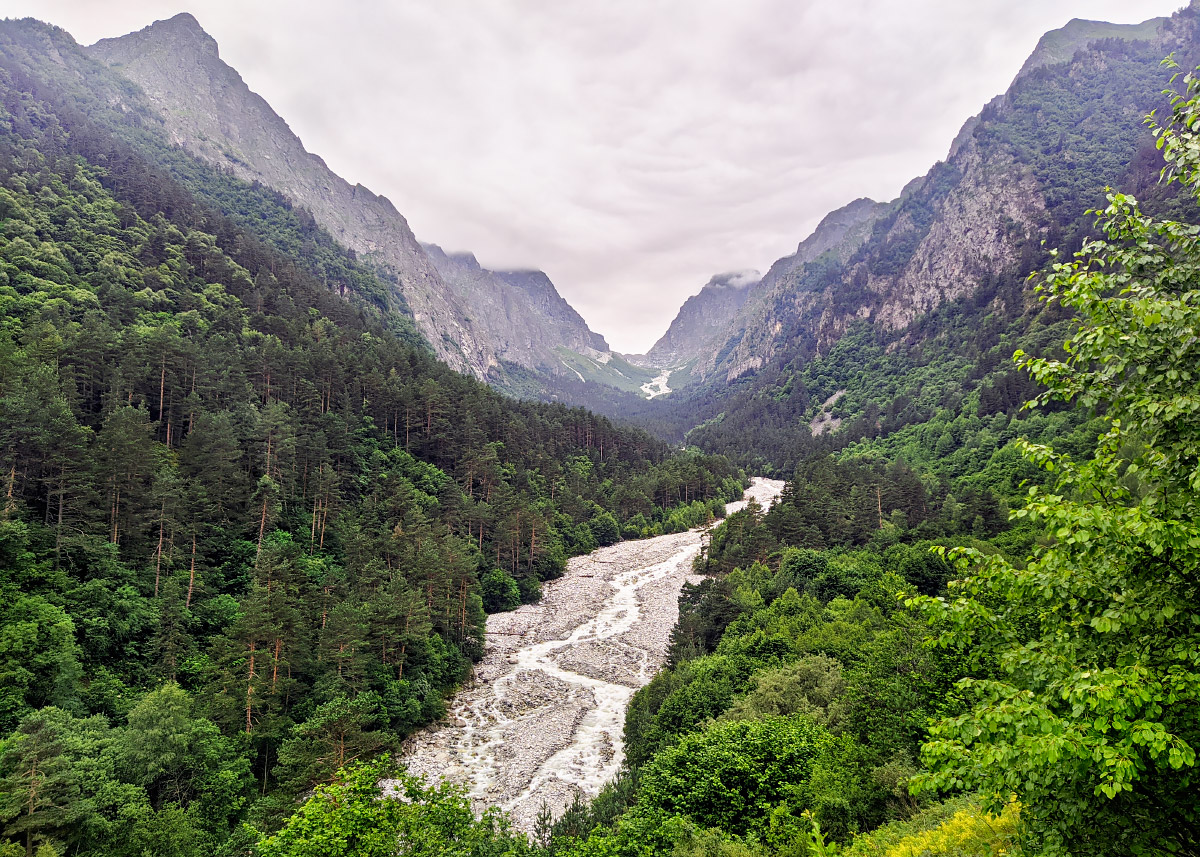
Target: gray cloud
x,y
629,149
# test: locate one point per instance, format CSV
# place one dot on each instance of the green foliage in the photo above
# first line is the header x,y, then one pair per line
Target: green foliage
x,y
182,759
734,776
500,591
355,818
812,686
733,780
245,518
38,656
1092,721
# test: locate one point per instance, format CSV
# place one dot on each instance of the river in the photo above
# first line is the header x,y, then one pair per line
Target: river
x,y
542,719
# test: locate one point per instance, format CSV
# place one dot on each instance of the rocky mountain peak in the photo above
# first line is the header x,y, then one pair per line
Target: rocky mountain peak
x,y
440,257
475,319
703,318
842,231
521,311
182,32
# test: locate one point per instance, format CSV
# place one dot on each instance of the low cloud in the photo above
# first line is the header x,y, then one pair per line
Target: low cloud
x,y
739,279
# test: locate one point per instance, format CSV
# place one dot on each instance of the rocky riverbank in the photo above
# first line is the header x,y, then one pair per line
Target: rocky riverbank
x,y
543,718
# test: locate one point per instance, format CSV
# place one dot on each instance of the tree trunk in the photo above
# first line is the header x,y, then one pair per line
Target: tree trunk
x,y
62,490
9,505
162,386
250,688
191,573
158,553
116,510
262,529
312,536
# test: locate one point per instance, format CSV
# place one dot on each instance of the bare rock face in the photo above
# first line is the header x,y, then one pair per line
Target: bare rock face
x,y
976,209
472,323
765,324
950,232
737,307
703,319
521,313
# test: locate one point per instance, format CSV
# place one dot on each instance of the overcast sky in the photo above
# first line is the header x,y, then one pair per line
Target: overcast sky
x,y
629,148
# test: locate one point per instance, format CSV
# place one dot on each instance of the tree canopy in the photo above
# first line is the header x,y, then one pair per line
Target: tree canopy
x,y
1093,719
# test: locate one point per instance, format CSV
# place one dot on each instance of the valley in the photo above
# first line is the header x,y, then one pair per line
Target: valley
x,y
541,721
318,540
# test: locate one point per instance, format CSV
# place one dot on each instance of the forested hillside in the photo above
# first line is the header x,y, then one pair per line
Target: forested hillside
x,y
250,527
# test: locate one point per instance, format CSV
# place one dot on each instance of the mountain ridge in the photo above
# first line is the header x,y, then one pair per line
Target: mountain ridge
x,y
210,111
951,231
701,318
505,297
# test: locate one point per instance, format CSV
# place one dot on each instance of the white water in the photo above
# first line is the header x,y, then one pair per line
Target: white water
x,y
657,386
542,722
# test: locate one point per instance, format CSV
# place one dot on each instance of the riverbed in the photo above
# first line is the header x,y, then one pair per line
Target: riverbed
x,y
541,721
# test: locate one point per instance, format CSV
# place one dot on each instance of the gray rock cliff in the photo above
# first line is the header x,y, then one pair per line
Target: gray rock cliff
x,y
473,323
522,314
703,319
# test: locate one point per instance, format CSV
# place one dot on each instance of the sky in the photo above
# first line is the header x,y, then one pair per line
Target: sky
x,y
629,148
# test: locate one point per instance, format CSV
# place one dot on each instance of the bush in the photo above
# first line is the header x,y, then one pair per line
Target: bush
x,y
500,591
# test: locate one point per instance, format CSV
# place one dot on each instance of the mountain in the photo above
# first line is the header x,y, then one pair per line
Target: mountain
x,y
477,321
959,227
702,318
710,325
892,311
527,321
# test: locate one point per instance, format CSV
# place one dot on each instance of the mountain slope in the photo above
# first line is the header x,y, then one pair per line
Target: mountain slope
x,y
1061,45
973,217
924,313
476,322
704,317
527,320
208,110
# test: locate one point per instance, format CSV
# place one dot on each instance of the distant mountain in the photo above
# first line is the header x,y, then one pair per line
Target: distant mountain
x,y
702,319
837,237
527,321
478,321
952,231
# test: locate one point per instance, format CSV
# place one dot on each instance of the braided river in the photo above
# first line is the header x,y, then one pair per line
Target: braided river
x,y
541,721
